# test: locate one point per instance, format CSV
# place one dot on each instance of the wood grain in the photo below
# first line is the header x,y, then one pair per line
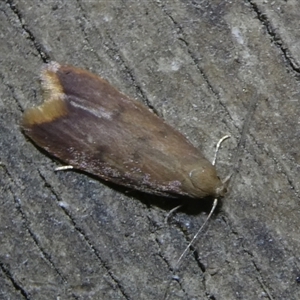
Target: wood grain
x,y
209,68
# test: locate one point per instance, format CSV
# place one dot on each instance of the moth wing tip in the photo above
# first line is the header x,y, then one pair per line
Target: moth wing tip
x,y
47,112
51,66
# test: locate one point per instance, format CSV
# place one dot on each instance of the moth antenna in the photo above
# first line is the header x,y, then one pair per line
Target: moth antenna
x,y
251,110
174,277
225,137
241,144
215,203
63,168
196,235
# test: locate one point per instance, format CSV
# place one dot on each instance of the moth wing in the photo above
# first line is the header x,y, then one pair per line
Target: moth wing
x,y
88,124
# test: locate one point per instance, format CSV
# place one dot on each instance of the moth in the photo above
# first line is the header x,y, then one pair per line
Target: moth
x,y
88,124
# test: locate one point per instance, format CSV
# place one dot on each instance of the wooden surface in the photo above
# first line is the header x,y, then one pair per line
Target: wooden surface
x,y
209,68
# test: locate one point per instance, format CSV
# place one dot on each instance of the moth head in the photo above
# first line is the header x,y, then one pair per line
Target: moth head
x,y
208,183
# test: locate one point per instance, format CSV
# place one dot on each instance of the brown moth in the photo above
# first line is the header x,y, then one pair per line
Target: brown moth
x,y
88,124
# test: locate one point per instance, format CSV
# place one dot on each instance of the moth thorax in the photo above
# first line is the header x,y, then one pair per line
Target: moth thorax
x,y
207,182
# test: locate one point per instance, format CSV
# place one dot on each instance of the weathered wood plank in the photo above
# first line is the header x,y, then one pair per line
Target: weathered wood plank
x,y
208,68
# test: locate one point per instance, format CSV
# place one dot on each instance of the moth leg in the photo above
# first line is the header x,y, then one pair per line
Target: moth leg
x,y
218,147
63,168
170,213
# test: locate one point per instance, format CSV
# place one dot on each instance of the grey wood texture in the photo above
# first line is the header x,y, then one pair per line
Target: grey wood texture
x,y
209,68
